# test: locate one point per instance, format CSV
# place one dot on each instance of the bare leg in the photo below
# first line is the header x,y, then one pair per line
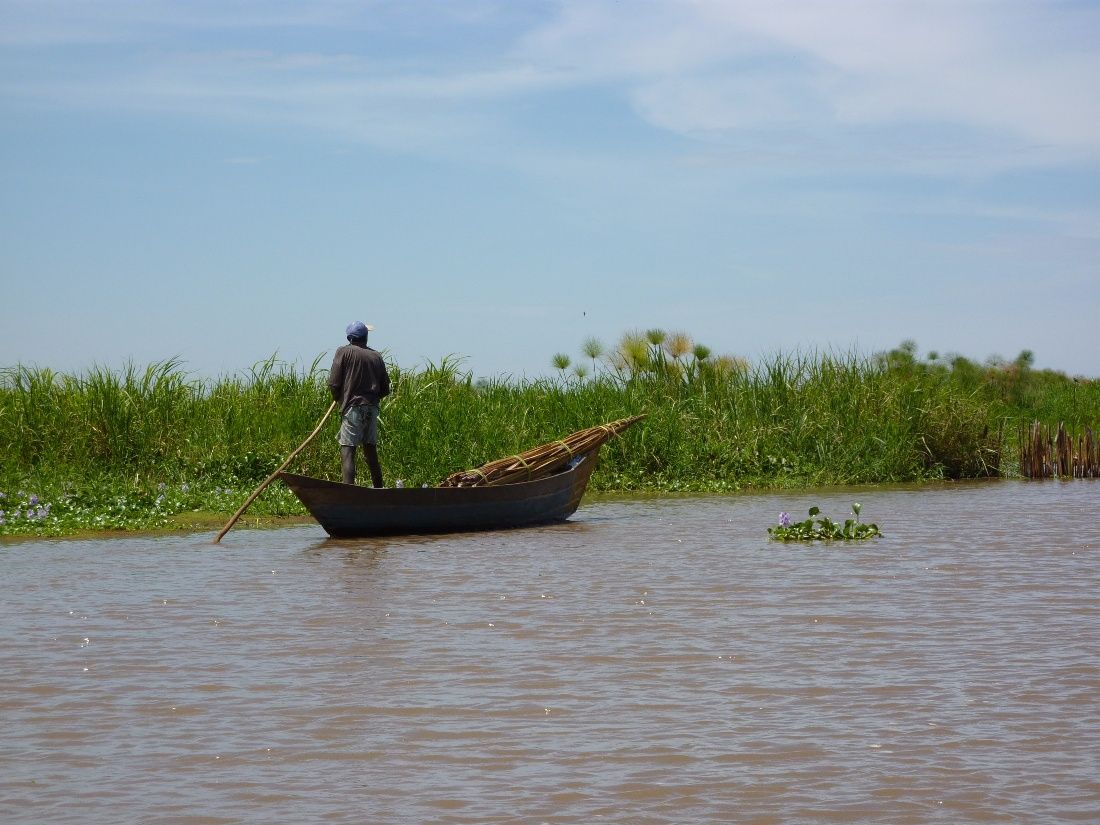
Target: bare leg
x,y
347,464
371,452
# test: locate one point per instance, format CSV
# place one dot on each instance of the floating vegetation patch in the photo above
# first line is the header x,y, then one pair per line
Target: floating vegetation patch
x,y
822,528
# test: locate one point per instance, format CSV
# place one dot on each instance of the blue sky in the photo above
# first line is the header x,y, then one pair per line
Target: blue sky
x,y
501,179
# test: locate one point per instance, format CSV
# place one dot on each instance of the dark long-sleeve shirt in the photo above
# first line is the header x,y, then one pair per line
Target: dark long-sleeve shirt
x,y
358,376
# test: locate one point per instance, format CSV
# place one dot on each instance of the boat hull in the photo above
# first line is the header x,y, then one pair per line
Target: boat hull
x,y
346,511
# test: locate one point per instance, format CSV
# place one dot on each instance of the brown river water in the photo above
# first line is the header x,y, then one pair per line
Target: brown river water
x,y
650,661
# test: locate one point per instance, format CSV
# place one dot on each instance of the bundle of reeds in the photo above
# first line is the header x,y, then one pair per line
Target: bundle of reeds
x,y
539,462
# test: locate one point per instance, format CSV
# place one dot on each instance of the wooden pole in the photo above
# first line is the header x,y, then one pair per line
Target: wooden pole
x,y
271,477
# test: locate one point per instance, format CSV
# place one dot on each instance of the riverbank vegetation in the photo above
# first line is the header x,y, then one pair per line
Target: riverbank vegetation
x,y
145,447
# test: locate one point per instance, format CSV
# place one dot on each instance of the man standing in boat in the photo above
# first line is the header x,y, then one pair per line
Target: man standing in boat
x,y
358,381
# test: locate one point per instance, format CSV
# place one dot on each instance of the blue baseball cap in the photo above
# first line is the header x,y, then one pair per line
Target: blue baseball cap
x,y
358,330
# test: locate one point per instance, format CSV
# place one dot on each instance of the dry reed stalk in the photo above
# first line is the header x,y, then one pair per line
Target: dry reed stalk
x,y
541,461
1063,448
1088,461
1033,451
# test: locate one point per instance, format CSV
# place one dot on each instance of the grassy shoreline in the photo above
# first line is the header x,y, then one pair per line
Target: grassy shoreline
x,y
211,522
139,448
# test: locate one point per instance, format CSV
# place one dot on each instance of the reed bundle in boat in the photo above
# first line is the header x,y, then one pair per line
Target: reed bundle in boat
x,y
539,462
1047,452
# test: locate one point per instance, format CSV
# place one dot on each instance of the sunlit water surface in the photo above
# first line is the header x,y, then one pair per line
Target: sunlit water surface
x,y
650,661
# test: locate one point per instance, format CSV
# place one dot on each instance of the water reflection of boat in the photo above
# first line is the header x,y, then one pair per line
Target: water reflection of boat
x,y
345,510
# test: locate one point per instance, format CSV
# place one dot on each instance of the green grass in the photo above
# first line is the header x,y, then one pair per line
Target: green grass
x,y
137,447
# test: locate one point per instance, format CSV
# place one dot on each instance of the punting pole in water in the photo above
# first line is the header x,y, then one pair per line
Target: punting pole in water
x,y
271,477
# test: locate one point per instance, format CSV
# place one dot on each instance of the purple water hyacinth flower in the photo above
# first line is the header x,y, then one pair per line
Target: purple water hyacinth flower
x,y
161,486
160,500
42,513
33,500
784,519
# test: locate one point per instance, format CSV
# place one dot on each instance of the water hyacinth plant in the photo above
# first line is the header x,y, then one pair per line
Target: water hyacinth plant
x,y
823,528
22,511
126,504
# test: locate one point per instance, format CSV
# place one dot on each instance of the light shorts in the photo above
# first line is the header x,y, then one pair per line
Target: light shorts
x,y
359,426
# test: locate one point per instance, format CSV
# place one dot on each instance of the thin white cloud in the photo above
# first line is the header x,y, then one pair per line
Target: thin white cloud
x,y
706,67
344,95
31,23
73,22
1018,81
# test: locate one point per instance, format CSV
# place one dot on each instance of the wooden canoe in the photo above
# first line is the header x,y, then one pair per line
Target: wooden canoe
x,y
346,510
